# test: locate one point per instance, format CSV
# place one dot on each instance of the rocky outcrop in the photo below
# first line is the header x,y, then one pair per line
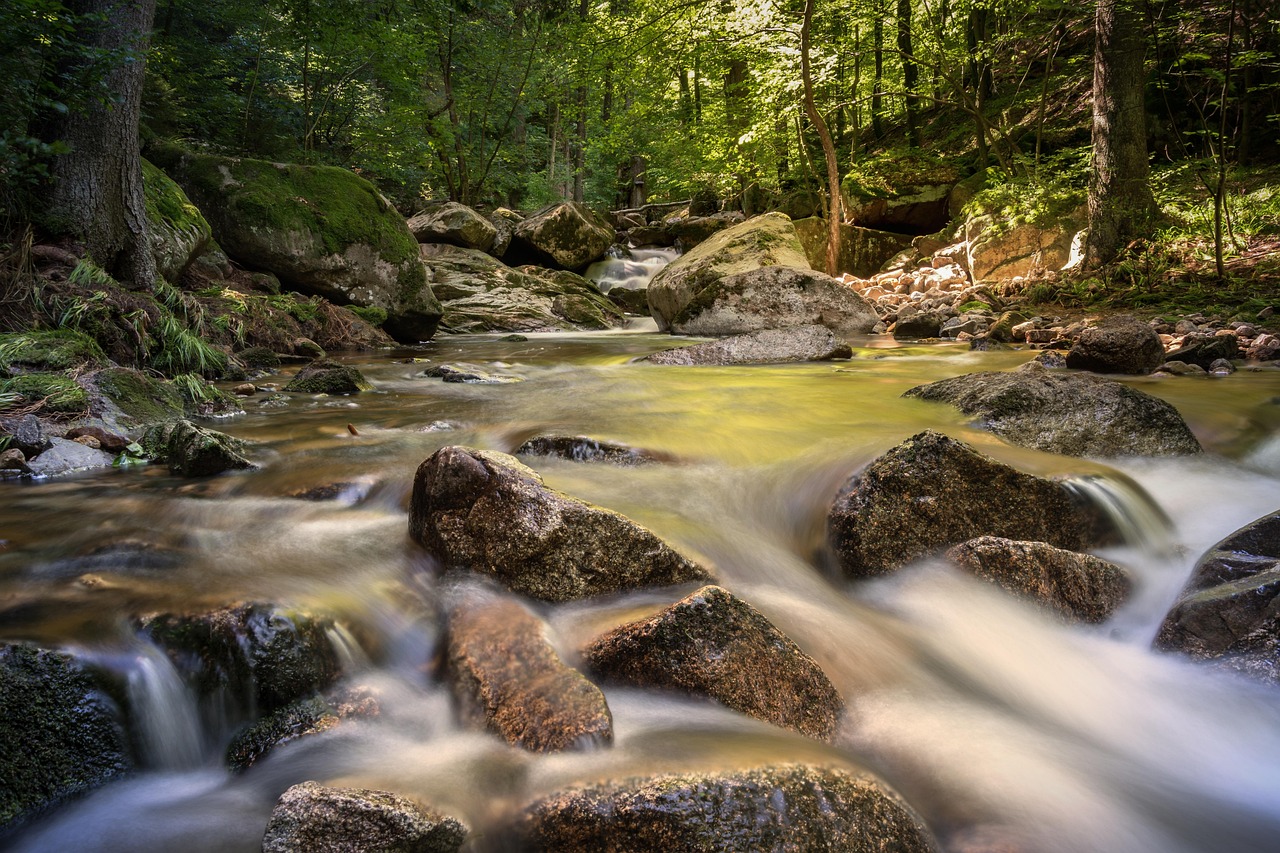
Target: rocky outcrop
x,y
488,513
789,807
319,819
507,677
769,346
1203,350
60,734
861,251
998,251
1079,587
455,224
193,451
504,222
768,240
1230,609
126,399
714,644
774,298
328,377
321,229
581,448
179,233
566,236
1120,345
1072,414
900,192
931,492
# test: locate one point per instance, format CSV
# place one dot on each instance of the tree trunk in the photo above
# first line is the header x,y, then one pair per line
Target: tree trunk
x,y
97,190
639,194
828,146
877,86
1121,206
910,72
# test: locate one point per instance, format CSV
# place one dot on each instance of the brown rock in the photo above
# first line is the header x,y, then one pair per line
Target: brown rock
x,y
509,678
313,818
1120,345
714,644
108,441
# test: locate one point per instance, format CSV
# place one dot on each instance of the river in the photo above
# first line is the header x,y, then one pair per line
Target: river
x,y
994,721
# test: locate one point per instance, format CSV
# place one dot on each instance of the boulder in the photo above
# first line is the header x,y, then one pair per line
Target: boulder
x,y
488,513
193,451
581,448
568,235
468,374
768,346
768,240
328,377
693,230
507,677
774,298
68,457
918,326
1075,414
314,818
504,222
26,433
1079,587
999,251
453,223
1204,350
932,492
308,717
713,644
261,656
322,230
900,191
630,300
1119,345
787,807
861,252
1230,609
60,735
179,232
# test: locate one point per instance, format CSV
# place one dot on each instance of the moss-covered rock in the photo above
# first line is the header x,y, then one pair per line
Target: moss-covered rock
x,y
453,223
900,191
774,297
179,232
126,399
861,251
321,229
59,734
192,451
55,393
568,235
328,377
57,349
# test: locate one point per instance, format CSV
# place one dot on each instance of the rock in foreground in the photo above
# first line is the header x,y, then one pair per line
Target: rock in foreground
x,y
193,451
786,808
1072,414
1080,587
488,513
1120,345
508,677
711,643
313,818
770,346
931,492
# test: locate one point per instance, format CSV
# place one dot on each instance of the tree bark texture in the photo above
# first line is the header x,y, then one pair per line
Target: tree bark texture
x,y
828,146
97,191
1121,206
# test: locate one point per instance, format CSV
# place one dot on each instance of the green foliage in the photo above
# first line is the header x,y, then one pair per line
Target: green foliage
x,y
180,350
371,314
1014,200
58,349
50,392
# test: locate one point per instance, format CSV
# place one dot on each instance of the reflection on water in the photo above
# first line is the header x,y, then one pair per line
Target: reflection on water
x,y
986,715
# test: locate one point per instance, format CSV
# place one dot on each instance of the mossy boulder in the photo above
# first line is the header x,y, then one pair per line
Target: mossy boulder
x,y
125,399
763,241
568,235
999,250
193,451
774,298
328,377
486,512
179,232
319,819
322,230
54,393
453,223
900,191
56,349
860,252
60,735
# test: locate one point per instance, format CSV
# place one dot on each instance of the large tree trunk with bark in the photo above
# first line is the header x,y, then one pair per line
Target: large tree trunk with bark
x,y
97,192
1121,207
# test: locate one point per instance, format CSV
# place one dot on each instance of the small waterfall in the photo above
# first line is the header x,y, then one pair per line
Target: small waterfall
x,y
1140,521
350,655
164,709
633,272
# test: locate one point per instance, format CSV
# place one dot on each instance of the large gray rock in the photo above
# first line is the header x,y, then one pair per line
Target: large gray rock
x,y
504,222
1230,609
784,808
774,298
568,235
1119,345
313,818
193,451
488,513
1073,414
714,644
768,240
179,233
768,346
931,492
59,733
1080,587
68,457
508,677
453,223
322,230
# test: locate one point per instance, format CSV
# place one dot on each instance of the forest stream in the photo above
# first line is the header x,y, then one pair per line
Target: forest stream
x,y
989,717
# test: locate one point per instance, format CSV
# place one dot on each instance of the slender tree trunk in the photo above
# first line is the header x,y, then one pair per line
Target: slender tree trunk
x,y
910,73
686,98
877,87
1121,206
97,190
828,146
697,89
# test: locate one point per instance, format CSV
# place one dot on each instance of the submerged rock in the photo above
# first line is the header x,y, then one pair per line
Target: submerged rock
x,y
468,374
193,451
714,644
1081,587
486,512
769,346
1119,345
508,677
328,377
581,448
788,808
931,492
304,718
59,733
1072,414
317,819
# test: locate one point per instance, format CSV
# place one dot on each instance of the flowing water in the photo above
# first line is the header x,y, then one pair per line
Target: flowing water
x,y
631,270
994,721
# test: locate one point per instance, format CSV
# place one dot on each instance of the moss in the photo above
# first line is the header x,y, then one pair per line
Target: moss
x,y
141,398
59,349
166,202
371,314
897,173
56,393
